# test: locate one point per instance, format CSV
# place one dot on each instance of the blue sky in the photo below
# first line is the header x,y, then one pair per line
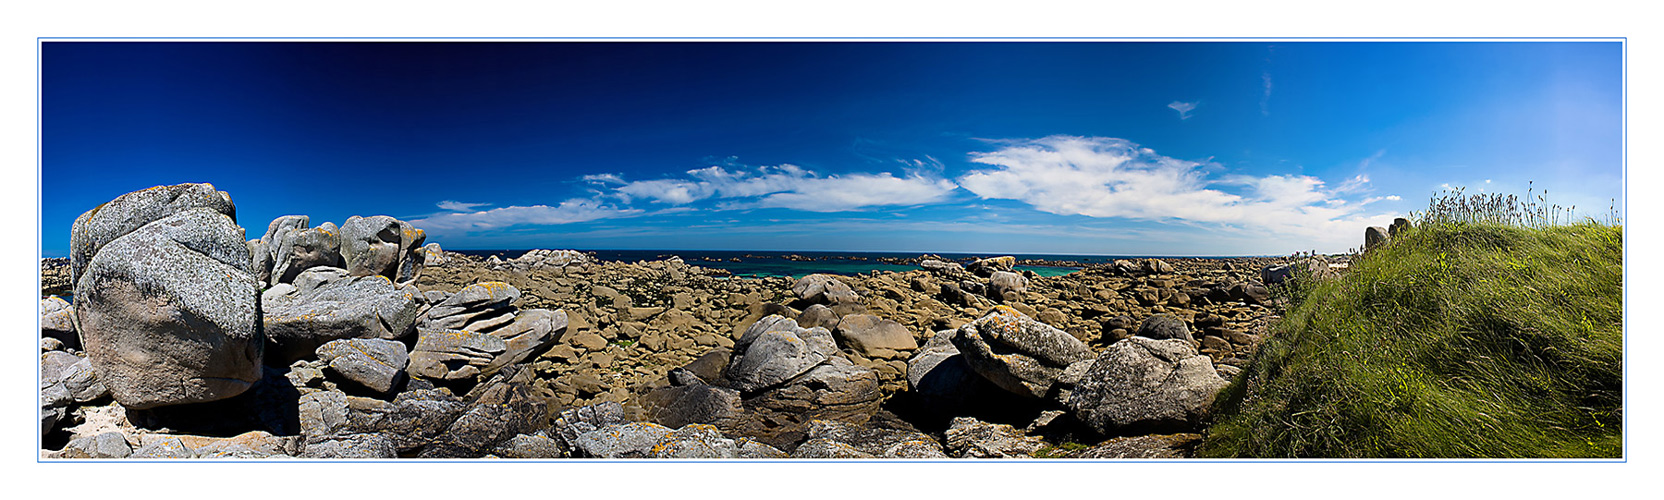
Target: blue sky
x,y
1148,148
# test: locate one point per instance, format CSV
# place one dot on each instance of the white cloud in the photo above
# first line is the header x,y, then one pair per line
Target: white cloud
x,y
1265,100
789,186
1106,177
1184,108
569,211
603,179
457,206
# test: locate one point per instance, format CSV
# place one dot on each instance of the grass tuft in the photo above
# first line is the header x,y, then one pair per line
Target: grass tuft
x,y
1473,335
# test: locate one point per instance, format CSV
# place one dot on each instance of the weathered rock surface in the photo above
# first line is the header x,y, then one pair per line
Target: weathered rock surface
x,y
168,310
824,289
374,363
777,356
325,304
301,248
875,337
1144,385
1163,327
382,246
972,438
106,445
453,354
1151,446
128,212
987,267
835,391
530,331
252,444
834,439
701,441
545,259
576,422
1016,352
57,321
500,411
631,440
374,445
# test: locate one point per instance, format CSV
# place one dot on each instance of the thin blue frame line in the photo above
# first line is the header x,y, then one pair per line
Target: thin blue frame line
x,y
835,38
1626,272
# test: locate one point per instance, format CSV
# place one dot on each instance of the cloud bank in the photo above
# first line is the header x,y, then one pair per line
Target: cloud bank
x,y
1106,177
569,211
785,186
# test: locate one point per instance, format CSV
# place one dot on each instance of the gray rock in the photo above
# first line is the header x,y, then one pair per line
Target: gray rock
x,y
971,438
832,439
952,269
412,420
545,259
530,446
824,289
432,255
777,356
301,249
689,400
107,445
1277,274
168,311
871,335
700,441
987,267
322,414
57,321
1124,267
261,259
81,381
1152,446
374,363
531,330
818,315
1163,327
770,323
1250,292
835,391
577,421
1017,353
1003,282
501,411
51,344
382,246
325,304
1155,266
631,440
374,445
453,354
1145,385
1374,236
1399,226
128,212
253,444
477,307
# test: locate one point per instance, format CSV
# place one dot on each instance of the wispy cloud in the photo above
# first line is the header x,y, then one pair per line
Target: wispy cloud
x,y
457,206
1184,108
788,186
1265,99
570,211
1106,177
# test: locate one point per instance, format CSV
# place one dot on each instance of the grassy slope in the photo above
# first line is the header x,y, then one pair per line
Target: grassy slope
x,y
1450,342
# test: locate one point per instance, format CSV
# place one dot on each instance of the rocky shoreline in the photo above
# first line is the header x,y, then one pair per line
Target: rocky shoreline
x,y
359,341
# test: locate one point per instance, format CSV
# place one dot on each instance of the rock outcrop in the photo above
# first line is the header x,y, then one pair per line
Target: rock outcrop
x,y
1017,353
167,310
382,246
325,304
1145,385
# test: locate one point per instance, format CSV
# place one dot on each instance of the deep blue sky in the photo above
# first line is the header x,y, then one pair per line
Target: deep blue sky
x,y
1161,148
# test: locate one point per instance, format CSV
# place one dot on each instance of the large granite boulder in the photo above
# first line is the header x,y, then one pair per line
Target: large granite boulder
x,y
128,212
835,391
1017,353
412,420
500,410
374,363
702,441
1002,283
875,337
1142,385
545,259
1374,236
325,304
630,440
169,311
687,399
382,246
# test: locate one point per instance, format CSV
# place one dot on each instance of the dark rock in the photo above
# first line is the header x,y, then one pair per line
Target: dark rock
x,y
501,411
1163,327
972,438
1152,446
412,420
577,421
832,439
373,445
1374,236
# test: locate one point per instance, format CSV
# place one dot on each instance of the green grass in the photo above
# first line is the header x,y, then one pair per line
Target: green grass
x,y
1455,340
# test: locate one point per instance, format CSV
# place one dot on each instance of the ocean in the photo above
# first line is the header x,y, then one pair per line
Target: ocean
x,y
758,263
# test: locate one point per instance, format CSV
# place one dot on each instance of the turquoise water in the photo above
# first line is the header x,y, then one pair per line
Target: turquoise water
x,y
775,263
